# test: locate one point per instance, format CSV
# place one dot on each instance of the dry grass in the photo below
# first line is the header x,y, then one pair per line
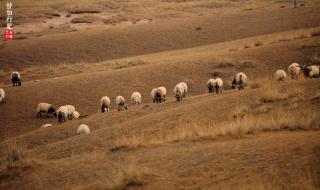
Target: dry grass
x,y
315,59
315,33
236,128
130,175
272,94
16,157
125,176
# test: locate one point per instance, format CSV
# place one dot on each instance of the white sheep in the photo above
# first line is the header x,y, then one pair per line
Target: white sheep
x,y
121,102
16,78
280,75
294,70
210,85
83,129
46,125
136,98
185,88
2,94
105,104
75,115
45,108
160,94
180,90
71,109
218,85
239,80
310,71
153,95
62,114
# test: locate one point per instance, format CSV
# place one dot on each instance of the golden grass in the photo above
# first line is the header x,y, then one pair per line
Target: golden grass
x,y
16,157
272,95
124,177
275,120
129,175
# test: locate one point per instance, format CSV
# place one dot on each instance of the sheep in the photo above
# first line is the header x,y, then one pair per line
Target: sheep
x,y
294,70
280,75
239,80
218,85
16,78
210,85
62,114
46,125
71,109
45,108
185,88
310,71
2,95
75,115
105,104
153,95
180,90
121,102
160,94
83,129
136,98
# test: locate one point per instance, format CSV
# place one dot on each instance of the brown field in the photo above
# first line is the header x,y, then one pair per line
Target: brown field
x,y
74,52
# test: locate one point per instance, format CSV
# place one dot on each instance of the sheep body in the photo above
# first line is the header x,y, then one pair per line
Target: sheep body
x,y
160,94
45,108
179,91
313,71
75,115
280,75
105,104
218,85
136,98
62,114
83,129
185,86
16,78
2,94
153,95
210,85
294,70
239,80
71,109
121,102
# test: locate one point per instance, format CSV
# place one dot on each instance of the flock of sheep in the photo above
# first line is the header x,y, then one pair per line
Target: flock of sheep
x,y
158,94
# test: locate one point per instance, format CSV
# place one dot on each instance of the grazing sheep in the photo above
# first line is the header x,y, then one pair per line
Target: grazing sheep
x,y
121,102
71,109
83,129
280,75
45,108
46,125
105,104
62,114
218,85
153,95
239,80
16,78
185,88
294,70
2,95
136,98
75,115
160,94
210,85
180,90
310,71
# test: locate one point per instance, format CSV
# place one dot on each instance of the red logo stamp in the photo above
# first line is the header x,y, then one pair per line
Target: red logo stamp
x,y
8,34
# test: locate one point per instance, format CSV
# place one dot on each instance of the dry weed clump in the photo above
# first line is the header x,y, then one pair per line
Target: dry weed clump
x,y
237,127
16,157
272,94
126,176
